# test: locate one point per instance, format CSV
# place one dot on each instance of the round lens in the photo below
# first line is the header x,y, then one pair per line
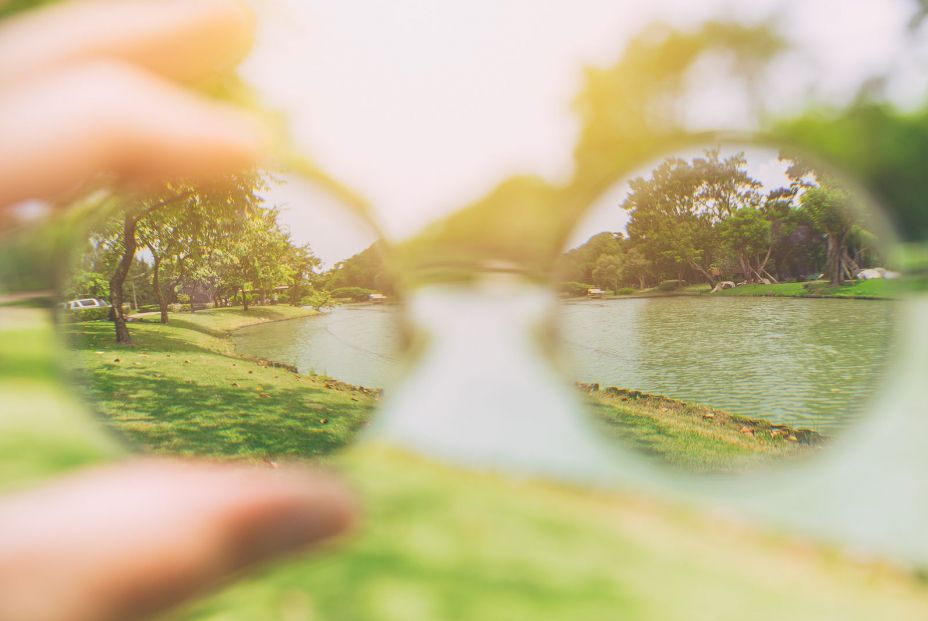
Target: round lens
x,y
729,305
247,318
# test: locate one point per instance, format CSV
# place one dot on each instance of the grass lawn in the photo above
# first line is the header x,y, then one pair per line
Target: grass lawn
x,y
180,389
878,289
438,542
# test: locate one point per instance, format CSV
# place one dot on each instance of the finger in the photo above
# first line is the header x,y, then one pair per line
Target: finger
x,y
180,39
122,543
108,117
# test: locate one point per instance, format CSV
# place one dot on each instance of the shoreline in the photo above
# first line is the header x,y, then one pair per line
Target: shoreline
x,y
882,290
711,416
709,413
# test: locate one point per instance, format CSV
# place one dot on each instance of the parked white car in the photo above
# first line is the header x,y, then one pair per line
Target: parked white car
x,y
84,303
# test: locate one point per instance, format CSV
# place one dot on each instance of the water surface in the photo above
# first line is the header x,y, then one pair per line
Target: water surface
x,y
355,344
806,362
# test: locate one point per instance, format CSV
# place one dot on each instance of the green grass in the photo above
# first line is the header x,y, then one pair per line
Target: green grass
x,y
864,289
693,437
439,542
179,389
443,543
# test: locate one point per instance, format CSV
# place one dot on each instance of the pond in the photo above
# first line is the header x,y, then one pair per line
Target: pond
x,y
355,344
811,363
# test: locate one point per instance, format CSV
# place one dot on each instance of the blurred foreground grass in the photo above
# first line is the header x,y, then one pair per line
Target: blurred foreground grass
x,y
439,542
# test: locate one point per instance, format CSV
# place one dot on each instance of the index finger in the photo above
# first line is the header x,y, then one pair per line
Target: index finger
x,y
180,39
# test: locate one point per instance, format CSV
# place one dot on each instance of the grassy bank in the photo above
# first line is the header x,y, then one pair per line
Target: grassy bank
x,y
859,289
439,542
862,289
181,389
694,437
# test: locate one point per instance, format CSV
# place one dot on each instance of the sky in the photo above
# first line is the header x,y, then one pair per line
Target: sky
x,y
423,106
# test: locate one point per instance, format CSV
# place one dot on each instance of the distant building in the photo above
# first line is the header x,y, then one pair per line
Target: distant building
x,y
377,298
595,293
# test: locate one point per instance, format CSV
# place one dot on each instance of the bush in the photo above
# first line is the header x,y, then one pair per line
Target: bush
x,y
575,289
671,285
356,294
74,315
626,291
317,300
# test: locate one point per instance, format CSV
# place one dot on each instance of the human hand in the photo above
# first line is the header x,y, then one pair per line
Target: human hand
x,y
99,89
89,88
122,542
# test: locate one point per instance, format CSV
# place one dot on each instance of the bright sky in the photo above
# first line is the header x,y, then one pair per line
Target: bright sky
x,y
424,106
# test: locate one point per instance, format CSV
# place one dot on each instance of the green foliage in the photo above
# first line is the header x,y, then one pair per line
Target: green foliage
x,y
676,211
356,294
878,146
609,271
577,265
671,285
87,285
317,300
8,8
73,315
365,270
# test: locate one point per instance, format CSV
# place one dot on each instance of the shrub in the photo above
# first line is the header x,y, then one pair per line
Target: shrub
x,y
575,289
357,294
317,300
85,314
626,291
671,285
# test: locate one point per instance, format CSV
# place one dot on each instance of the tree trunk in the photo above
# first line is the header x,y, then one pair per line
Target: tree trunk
x,y
244,299
156,286
119,278
746,268
706,273
835,267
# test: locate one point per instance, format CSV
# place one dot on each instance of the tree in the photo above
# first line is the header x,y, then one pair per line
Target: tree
x,y
87,284
747,234
133,211
163,234
827,208
366,270
303,264
675,214
199,212
636,267
577,265
608,272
